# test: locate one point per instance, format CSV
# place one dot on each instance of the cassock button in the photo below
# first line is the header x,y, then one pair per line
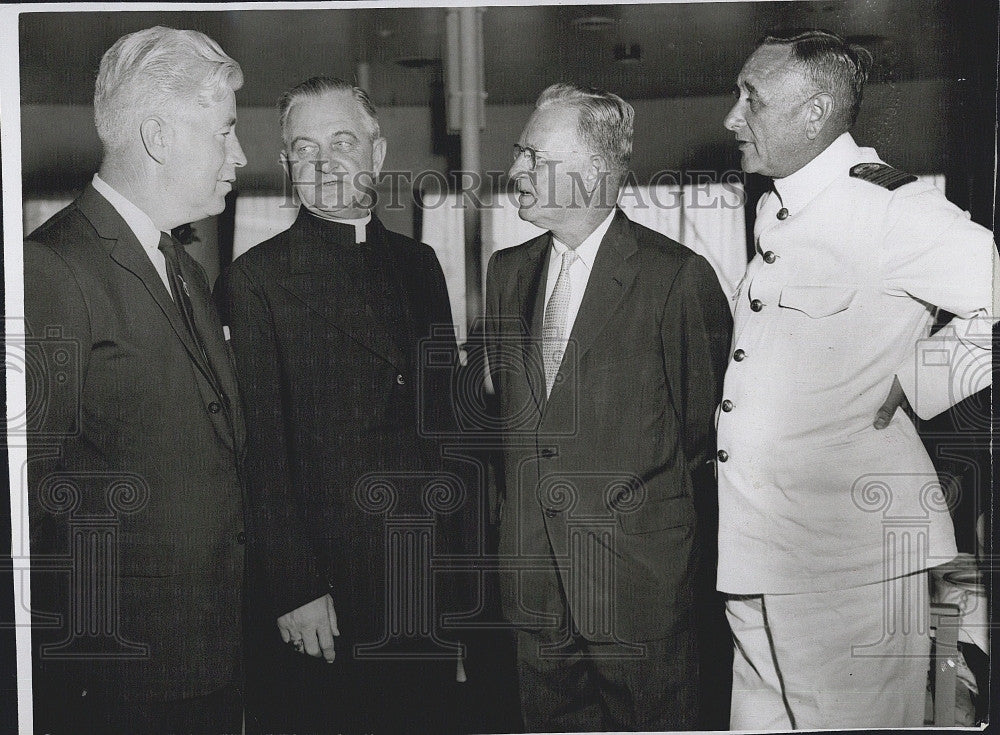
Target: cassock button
x,y
756,305
782,213
727,405
722,455
550,513
400,380
770,257
214,407
739,355
241,538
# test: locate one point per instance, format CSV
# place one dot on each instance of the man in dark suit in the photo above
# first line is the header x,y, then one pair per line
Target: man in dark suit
x,y
606,344
136,513
331,322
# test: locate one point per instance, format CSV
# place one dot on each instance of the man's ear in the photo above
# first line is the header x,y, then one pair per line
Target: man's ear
x,y
155,137
378,155
819,111
596,171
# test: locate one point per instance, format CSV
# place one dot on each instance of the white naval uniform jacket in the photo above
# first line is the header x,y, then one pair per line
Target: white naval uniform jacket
x,y
835,303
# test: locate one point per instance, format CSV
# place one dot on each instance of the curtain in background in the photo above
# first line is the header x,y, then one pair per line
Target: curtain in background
x,y
259,218
443,228
35,211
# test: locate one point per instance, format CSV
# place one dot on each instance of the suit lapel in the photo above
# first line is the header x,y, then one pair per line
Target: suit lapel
x,y
609,281
531,301
220,363
319,280
127,252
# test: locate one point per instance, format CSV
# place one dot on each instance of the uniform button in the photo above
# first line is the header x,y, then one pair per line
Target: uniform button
x,y
547,453
727,405
400,380
756,305
241,538
782,213
739,355
770,257
550,513
722,455
214,407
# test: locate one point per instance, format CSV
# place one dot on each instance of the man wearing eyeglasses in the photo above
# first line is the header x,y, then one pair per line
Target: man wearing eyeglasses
x,y
606,345
334,322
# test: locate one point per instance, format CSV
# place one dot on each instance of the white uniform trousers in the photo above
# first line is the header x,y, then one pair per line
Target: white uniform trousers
x,y
847,658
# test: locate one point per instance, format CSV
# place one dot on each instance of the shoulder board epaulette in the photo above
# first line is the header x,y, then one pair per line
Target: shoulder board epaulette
x,y
882,174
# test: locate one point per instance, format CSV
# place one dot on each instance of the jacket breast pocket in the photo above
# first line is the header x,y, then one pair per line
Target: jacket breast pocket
x,y
817,302
659,515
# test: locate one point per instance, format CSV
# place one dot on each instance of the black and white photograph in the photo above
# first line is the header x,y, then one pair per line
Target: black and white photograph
x,y
452,368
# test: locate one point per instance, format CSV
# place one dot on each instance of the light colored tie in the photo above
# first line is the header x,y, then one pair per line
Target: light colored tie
x,y
554,323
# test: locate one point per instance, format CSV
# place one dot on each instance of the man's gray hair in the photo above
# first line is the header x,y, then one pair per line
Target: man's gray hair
x,y
606,122
318,86
153,69
833,65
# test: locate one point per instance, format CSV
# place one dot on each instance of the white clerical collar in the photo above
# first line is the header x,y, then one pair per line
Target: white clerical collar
x,y
587,250
359,223
798,189
137,220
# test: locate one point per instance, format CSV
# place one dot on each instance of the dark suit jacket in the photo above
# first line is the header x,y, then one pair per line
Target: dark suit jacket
x,y
343,416
132,469
600,477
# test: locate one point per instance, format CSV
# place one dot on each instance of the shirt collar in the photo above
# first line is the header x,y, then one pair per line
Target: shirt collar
x,y
798,189
137,220
586,251
358,223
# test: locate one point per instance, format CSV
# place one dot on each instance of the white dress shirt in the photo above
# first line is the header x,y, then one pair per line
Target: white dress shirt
x,y
579,271
140,224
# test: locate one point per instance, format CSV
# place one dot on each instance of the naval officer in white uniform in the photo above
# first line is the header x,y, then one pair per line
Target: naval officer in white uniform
x,y
826,522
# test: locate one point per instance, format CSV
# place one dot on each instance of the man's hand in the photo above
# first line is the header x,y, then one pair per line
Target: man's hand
x,y
311,628
894,400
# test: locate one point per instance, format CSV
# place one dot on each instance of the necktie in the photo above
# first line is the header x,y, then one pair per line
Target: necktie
x,y
554,322
182,299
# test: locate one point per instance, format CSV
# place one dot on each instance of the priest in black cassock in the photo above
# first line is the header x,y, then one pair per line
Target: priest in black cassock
x,y
348,490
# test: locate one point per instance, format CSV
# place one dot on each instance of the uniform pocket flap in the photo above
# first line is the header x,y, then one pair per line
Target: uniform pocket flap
x,y
817,301
657,515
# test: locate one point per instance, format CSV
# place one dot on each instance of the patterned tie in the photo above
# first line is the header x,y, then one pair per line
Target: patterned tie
x,y
554,323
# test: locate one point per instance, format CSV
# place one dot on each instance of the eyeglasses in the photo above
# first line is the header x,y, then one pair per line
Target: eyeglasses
x,y
532,154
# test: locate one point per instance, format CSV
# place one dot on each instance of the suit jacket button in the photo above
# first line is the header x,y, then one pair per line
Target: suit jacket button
x,y
756,305
214,407
739,355
723,455
782,213
770,257
727,405
400,380
550,513
241,538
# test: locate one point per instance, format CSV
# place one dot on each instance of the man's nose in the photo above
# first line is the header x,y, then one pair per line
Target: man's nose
x,y
734,118
520,165
238,156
